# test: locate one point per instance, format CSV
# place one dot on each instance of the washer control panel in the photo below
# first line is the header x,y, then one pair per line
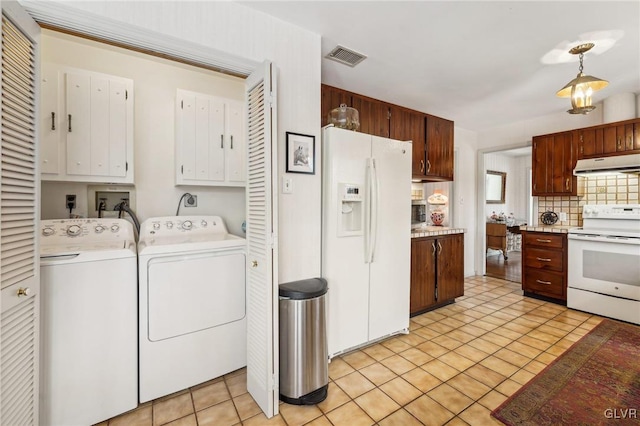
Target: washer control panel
x,y
56,230
180,225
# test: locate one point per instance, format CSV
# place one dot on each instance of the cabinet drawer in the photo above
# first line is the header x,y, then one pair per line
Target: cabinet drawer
x,y
543,282
538,258
541,239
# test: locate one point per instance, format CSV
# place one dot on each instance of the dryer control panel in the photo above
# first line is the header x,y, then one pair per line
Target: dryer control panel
x,y
175,225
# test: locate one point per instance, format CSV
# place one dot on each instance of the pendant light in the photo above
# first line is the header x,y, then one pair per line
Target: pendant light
x,y
582,87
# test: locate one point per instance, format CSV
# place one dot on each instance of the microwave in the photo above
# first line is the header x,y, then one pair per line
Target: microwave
x,y
418,213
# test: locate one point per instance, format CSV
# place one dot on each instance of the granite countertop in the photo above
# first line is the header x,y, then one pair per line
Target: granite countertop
x,y
432,231
558,229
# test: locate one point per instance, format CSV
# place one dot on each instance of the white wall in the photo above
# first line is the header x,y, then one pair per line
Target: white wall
x,y
238,30
155,83
464,201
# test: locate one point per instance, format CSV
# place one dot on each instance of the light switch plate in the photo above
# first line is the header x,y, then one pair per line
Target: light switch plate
x,y
287,185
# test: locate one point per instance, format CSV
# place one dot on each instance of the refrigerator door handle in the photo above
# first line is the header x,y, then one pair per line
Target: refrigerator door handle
x,y
374,209
367,213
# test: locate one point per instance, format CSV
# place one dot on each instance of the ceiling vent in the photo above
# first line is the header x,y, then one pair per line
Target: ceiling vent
x,y
345,56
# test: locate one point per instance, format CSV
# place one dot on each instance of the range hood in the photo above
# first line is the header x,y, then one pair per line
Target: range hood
x,y
608,165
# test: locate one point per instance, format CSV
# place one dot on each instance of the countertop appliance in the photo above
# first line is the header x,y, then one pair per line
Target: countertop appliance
x,y
89,370
366,237
604,262
192,295
418,213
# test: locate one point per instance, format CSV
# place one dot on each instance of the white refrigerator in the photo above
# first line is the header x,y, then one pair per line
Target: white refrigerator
x,y
366,237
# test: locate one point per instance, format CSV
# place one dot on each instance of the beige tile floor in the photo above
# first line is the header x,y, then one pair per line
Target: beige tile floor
x,y
457,364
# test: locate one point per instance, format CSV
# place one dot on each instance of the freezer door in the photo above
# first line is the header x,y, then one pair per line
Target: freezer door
x,y
390,269
344,159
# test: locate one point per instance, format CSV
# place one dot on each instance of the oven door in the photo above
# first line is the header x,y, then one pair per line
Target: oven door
x,y
604,275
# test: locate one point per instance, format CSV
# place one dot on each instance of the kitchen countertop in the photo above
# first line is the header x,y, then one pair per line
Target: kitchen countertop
x,y
558,229
432,231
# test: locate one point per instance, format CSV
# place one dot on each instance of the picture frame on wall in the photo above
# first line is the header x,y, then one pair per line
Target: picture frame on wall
x,y
301,153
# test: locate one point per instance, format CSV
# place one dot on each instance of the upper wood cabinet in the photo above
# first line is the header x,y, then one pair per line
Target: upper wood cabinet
x,y
608,139
210,141
86,126
432,137
553,160
439,150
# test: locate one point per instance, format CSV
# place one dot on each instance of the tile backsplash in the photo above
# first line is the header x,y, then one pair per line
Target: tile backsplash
x,y
612,189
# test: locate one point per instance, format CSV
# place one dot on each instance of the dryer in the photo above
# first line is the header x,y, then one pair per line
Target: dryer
x,y
89,366
192,295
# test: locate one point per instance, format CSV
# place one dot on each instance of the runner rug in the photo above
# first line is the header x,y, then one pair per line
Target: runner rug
x,y
596,381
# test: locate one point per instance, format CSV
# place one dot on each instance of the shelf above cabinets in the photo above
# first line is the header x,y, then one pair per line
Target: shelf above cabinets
x,y
86,127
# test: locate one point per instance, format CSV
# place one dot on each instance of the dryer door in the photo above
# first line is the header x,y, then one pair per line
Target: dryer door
x,y
190,293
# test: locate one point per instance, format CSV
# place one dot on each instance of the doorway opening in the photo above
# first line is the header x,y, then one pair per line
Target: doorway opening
x,y
507,205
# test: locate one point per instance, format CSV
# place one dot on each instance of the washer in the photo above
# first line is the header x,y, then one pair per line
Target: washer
x,y
192,313
88,272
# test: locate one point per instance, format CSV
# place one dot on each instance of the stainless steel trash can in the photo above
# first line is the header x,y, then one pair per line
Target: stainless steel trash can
x,y
304,370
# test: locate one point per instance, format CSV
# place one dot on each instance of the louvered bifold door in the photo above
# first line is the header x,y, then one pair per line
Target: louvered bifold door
x,y
19,192
262,315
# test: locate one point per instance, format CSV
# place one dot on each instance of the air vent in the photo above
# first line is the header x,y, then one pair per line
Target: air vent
x,y
345,56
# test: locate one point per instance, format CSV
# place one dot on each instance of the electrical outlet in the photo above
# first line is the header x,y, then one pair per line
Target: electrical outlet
x,y
562,216
191,201
70,200
601,189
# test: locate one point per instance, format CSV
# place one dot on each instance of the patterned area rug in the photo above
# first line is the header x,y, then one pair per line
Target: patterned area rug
x,y
595,382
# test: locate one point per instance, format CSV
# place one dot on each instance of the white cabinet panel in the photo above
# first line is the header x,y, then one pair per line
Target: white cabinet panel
x,y
89,126
210,147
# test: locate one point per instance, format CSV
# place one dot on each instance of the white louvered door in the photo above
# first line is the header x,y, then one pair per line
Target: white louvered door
x,y
19,198
262,247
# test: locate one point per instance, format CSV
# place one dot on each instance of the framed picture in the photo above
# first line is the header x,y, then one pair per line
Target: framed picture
x,y
301,153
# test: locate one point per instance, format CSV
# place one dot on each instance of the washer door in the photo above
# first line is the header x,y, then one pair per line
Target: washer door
x,y
190,293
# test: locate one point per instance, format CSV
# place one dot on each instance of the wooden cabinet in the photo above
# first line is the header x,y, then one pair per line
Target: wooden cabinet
x,y
544,264
497,237
87,126
608,139
439,149
553,159
432,136
210,142
410,125
437,271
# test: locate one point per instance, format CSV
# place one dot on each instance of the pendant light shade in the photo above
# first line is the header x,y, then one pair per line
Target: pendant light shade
x,y
581,88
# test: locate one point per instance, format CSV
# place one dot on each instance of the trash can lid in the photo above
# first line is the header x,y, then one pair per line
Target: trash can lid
x,y
303,289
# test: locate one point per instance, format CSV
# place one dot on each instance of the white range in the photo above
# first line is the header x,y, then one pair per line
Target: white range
x,y
604,262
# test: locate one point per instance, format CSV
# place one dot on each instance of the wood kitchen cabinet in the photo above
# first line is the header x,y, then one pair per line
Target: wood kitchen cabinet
x,y
431,136
439,149
544,265
553,159
437,271
608,139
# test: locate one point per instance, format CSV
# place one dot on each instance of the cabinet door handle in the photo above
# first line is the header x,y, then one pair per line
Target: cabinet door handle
x,y
543,282
53,120
221,141
231,141
433,246
542,241
619,143
439,248
567,184
543,260
428,166
421,166
69,123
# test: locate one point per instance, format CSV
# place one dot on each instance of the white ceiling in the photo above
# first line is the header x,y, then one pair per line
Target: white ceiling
x,y
479,63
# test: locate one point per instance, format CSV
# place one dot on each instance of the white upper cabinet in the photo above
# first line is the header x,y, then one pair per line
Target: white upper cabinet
x,y
210,141
86,126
